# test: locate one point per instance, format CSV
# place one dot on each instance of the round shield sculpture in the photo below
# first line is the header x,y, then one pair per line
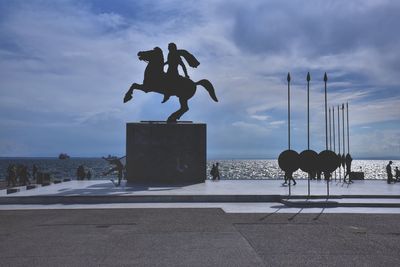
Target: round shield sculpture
x,y
289,161
328,161
308,161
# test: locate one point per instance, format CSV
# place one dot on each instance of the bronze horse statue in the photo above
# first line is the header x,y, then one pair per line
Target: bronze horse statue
x,y
156,80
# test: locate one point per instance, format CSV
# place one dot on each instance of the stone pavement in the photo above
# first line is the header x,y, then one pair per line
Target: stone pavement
x,y
369,194
223,187
196,237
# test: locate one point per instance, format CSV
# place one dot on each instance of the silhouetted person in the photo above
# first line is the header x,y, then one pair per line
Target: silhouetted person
x,y
34,171
289,176
397,174
39,177
80,173
117,167
88,175
212,172
348,161
216,173
11,175
173,61
24,175
18,173
389,172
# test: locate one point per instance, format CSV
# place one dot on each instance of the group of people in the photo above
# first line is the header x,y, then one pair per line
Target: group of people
x,y
81,174
390,174
18,174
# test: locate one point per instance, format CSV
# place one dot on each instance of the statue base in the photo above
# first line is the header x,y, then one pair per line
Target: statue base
x,y
160,152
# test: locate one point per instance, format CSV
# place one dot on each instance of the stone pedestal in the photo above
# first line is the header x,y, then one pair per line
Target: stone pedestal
x,y
159,152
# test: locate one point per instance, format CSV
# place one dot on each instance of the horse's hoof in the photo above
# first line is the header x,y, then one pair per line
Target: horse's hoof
x,y
127,98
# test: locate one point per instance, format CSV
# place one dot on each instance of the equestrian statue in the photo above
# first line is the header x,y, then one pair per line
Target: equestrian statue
x,y
170,83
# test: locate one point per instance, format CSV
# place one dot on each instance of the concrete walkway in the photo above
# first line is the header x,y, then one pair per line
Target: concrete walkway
x,y
230,195
366,188
196,237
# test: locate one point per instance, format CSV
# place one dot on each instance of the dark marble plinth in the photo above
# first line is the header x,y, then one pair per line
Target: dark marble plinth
x,y
159,152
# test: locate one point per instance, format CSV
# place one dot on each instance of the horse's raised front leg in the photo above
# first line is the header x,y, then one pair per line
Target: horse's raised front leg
x,y
178,114
128,95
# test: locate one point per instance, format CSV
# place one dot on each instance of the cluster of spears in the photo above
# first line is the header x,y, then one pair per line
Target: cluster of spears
x,y
328,160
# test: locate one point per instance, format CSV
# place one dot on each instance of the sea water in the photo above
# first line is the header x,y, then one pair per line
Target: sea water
x,y
229,169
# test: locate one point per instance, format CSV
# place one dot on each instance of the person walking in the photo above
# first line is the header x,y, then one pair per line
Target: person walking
x,y
34,171
11,175
397,174
289,177
88,175
212,172
215,172
80,173
349,159
389,172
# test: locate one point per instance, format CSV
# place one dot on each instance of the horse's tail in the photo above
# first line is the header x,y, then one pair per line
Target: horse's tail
x,y
209,87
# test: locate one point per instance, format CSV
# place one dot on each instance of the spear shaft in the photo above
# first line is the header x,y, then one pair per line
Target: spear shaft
x,y
288,80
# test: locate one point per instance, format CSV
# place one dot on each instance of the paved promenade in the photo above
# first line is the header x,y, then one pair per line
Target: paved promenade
x,y
223,187
196,237
243,196
117,227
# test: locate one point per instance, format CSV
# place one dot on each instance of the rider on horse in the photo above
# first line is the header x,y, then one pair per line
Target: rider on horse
x,y
174,60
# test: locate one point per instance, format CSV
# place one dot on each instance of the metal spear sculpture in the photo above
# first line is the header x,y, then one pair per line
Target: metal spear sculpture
x,y
348,159
343,159
330,130
327,158
308,158
333,131
288,160
339,155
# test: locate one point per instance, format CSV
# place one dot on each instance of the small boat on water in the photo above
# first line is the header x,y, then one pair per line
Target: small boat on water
x,y
63,156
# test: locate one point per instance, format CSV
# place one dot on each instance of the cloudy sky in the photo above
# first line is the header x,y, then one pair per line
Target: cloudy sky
x,y
65,66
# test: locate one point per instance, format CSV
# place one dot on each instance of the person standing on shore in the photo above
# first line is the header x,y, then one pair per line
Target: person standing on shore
x,y
24,175
212,172
349,159
397,174
215,172
11,175
88,175
80,173
34,171
389,172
